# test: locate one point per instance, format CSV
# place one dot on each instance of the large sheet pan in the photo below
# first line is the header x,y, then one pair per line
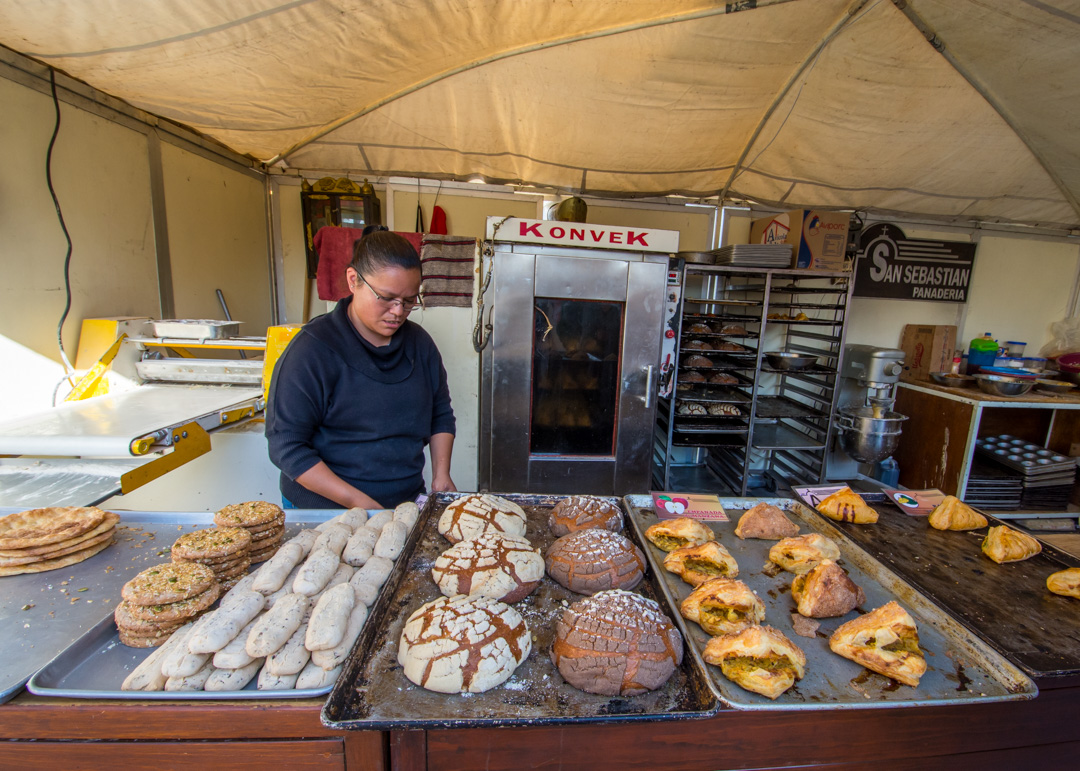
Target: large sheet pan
x,y
1007,605
372,692
961,668
68,604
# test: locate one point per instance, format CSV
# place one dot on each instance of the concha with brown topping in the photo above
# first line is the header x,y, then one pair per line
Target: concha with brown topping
x,y
494,565
590,561
475,515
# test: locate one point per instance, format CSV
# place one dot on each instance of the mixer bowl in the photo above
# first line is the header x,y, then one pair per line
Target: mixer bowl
x,y
866,438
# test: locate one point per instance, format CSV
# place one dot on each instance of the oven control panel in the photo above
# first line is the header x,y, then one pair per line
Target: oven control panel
x,y
670,330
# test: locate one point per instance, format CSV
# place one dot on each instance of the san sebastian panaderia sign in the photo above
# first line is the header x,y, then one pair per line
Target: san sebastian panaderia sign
x,y
892,265
582,234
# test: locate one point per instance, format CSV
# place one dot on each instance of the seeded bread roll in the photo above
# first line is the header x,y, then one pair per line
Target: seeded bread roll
x,y
616,643
290,658
333,538
493,565
463,644
580,512
335,657
233,679
315,571
407,512
361,546
276,626
391,540
590,561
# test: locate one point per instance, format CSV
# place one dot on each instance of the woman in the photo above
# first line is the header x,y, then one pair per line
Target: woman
x,y
360,391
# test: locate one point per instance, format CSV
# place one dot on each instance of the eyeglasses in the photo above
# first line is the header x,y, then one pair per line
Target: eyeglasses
x,y
408,304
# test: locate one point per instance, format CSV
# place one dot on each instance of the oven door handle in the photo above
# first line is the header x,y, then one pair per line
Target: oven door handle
x,y
649,386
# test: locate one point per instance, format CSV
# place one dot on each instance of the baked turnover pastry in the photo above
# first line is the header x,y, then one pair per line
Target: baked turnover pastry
x,y
473,515
845,506
580,512
826,591
616,643
1065,582
698,564
800,554
723,606
760,659
671,534
886,641
954,514
766,521
1003,544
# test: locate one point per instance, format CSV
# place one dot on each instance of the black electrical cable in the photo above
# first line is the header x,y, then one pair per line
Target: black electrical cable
x,y
63,226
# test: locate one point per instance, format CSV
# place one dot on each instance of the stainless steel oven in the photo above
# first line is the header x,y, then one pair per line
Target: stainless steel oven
x,y
569,373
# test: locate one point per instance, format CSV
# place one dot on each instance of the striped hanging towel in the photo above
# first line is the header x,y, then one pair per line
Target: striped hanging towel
x,y
447,263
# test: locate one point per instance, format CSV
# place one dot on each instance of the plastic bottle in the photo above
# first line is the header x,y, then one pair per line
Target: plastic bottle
x,y
981,353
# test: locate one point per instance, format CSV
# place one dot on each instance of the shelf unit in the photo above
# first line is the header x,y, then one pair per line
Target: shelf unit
x,y
742,422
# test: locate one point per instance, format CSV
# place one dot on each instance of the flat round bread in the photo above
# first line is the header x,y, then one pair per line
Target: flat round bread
x,y
248,514
272,526
58,562
170,582
12,561
170,612
211,543
38,527
111,520
135,641
125,622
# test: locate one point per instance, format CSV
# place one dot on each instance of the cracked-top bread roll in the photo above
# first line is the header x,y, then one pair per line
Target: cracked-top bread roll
x,y
616,643
590,561
463,644
499,566
580,512
474,515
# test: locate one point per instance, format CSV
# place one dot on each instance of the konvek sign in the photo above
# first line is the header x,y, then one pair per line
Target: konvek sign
x,y
892,265
556,233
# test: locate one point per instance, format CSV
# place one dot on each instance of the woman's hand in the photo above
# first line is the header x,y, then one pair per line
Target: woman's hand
x,y
320,479
442,483
442,447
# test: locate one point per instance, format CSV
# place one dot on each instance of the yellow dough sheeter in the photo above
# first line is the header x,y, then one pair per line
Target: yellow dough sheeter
x,y
146,405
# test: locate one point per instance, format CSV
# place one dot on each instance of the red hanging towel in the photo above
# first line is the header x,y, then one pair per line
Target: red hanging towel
x,y
438,222
335,248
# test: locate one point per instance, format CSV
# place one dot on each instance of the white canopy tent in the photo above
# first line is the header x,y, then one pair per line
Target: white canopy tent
x,y
966,110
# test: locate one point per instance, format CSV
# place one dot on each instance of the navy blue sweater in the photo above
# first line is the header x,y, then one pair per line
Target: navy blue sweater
x,y
366,412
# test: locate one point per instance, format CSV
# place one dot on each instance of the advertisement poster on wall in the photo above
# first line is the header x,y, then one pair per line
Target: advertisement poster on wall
x,y
892,265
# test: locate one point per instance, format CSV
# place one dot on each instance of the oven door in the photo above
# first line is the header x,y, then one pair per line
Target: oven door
x,y
568,387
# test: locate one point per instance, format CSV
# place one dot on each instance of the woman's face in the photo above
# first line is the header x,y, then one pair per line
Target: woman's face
x,y
377,310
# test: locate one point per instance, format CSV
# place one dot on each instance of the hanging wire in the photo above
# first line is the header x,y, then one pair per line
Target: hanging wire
x,y
481,335
68,369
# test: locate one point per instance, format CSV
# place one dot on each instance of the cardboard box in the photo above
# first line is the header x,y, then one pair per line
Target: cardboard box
x,y
927,348
818,238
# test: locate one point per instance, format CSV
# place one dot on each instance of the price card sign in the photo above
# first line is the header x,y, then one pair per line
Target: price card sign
x,y
916,503
703,506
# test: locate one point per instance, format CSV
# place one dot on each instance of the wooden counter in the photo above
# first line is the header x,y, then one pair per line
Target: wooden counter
x,y
35,731
938,439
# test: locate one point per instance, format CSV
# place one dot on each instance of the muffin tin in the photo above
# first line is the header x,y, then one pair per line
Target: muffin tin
x,y
1029,459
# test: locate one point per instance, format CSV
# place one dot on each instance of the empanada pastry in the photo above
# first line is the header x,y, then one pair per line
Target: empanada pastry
x,y
671,534
760,659
1065,582
885,640
845,506
766,521
723,606
954,514
826,591
800,554
698,564
1003,544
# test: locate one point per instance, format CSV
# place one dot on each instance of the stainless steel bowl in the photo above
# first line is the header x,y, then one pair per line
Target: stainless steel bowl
x,y
1053,386
951,380
867,438
1002,385
786,360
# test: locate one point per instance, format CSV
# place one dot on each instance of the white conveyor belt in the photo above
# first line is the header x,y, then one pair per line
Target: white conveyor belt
x,y
105,426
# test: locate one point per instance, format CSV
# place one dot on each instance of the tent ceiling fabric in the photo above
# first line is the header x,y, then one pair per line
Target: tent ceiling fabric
x,y
827,103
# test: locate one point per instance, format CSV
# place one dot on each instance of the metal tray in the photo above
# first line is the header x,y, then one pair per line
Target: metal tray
x,y
93,667
196,329
961,668
64,606
372,693
1007,605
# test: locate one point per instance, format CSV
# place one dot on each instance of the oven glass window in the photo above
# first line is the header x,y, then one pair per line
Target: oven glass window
x,y
575,376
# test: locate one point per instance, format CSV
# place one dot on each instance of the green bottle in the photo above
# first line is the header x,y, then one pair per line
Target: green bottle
x,y
981,353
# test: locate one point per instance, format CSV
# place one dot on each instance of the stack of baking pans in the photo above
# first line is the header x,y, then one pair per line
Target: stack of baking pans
x,y
1047,476
755,255
991,486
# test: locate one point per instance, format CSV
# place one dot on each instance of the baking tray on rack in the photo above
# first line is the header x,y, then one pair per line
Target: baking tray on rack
x,y
1007,605
961,667
71,647
372,692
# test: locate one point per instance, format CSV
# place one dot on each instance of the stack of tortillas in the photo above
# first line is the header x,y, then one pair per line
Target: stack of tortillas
x,y
46,539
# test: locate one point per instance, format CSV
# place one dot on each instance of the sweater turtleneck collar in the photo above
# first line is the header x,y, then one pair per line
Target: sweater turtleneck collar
x,y
391,363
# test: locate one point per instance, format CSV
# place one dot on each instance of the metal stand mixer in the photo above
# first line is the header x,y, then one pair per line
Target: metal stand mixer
x,y
867,430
